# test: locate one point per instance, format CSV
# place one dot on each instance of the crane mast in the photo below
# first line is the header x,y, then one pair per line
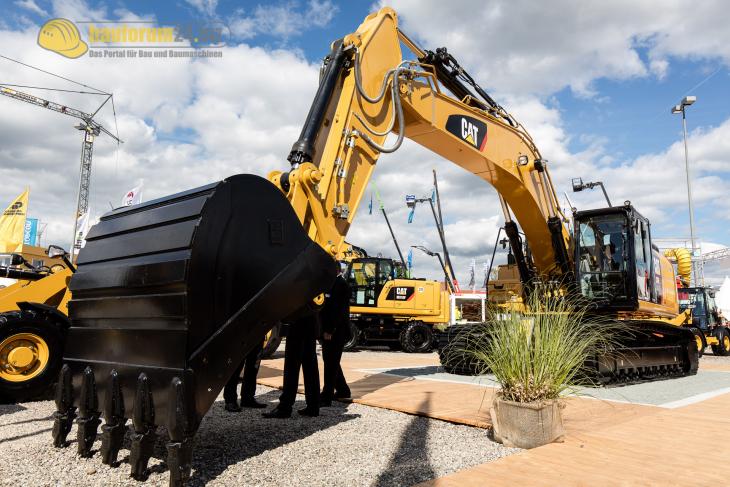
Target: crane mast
x,y
90,130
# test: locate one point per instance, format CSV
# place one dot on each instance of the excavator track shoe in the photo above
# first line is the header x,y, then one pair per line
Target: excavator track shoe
x,y
168,298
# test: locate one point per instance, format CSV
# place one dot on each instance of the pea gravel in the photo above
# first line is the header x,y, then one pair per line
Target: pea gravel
x,y
347,445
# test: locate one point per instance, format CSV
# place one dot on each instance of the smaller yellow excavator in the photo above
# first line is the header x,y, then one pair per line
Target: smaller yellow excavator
x,y
33,320
389,307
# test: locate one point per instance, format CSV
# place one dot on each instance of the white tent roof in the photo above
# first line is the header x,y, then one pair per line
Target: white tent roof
x,y
722,297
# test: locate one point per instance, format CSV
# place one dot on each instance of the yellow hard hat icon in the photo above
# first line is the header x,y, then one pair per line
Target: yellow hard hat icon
x,y
62,36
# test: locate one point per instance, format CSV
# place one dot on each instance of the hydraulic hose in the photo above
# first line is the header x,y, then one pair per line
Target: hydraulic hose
x,y
398,108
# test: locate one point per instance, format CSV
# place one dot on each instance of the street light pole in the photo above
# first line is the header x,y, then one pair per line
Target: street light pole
x,y
687,101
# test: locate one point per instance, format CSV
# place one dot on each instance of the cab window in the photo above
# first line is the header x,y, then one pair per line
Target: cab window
x,y
385,272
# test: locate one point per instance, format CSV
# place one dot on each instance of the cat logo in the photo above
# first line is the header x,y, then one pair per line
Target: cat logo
x,y
404,293
468,129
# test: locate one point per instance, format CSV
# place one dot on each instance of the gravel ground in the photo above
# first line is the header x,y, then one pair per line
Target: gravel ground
x,y
710,358
349,444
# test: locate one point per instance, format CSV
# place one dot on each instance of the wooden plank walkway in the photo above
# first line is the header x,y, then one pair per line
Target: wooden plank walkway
x,y
607,443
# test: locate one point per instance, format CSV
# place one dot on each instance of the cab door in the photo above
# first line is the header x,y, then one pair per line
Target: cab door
x,y
363,280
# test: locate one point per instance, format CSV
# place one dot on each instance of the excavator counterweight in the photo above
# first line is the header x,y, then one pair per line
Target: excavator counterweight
x,y
167,298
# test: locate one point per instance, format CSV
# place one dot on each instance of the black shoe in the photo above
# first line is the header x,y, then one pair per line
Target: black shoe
x,y
278,413
343,395
325,401
232,407
252,403
311,412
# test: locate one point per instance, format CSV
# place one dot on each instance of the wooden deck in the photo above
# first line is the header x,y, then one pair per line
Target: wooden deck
x,y
607,443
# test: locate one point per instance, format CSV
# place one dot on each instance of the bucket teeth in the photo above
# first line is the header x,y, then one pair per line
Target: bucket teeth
x,y
65,411
112,433
143,419
180,446
88,420
179,461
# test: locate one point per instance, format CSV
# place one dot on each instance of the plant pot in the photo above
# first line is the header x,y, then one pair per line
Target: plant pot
x,y
526,425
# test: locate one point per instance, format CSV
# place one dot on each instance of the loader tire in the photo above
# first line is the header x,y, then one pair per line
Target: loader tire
x,y
723,348
31,352
416,337
354,340
701,341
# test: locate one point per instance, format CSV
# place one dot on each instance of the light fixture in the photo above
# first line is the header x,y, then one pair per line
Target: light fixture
x,y
579,185
522,160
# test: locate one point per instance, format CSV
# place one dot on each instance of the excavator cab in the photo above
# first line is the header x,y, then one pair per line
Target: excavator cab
x,y
614,258
367,276
701,301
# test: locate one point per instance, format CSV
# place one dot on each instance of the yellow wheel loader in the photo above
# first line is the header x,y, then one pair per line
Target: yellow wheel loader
x,y
171,294
33,321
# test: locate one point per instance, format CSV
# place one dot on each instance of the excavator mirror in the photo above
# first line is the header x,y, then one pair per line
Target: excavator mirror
x,y
55,251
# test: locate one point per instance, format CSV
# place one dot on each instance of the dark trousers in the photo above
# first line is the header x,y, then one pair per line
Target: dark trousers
x,y
301,352
334,379
250,366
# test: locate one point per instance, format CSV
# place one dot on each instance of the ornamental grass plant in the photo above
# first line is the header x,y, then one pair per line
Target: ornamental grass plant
x,y
538,354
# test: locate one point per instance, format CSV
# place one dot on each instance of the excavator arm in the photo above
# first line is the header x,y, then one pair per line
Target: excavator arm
x,y
368,90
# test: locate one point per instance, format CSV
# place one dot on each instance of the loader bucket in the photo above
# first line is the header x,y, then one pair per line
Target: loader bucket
x,y
168,298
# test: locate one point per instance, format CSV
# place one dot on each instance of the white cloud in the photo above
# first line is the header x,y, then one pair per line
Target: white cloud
x,y
525,47
282,20
186,123
31,6
76,10
206,7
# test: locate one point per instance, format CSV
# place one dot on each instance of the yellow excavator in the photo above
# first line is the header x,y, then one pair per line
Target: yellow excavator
x,y
387,306
170,294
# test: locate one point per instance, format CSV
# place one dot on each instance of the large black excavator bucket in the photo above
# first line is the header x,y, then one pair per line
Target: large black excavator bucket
x,y
168,298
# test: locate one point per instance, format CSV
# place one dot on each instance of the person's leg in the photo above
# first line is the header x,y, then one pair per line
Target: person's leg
x,y
230,396
292,364
310,369
328,388
250,371
341,388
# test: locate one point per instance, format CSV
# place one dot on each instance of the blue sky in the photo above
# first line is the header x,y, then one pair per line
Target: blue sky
x,y
594,83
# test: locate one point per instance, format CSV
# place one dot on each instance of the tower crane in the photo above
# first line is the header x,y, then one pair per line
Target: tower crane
x,y
90,130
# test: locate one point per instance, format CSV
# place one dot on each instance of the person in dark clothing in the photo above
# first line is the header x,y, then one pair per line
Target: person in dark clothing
x,y
250,367
300,352
335,319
